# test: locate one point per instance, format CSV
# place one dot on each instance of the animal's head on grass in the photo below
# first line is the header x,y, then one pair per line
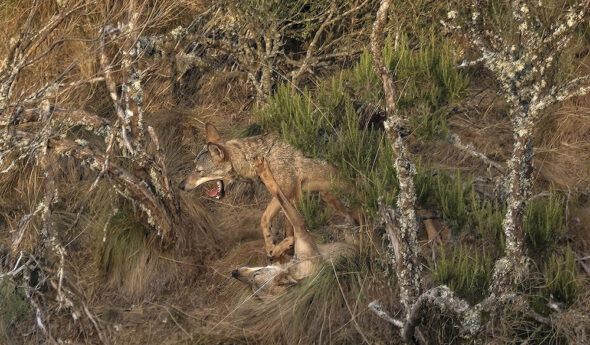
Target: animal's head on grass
x,y
212,164
266,280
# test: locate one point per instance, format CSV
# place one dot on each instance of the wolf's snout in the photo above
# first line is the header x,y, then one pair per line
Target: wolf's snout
x,y
235,273
182,185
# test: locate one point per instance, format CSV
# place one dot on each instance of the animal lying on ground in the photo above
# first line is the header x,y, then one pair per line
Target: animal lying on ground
x,y
276,278
225,161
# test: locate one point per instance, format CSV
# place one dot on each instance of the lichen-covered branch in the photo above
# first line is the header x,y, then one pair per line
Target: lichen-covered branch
x,y
523,66
160,205
273,42
468,148
128,185
402,224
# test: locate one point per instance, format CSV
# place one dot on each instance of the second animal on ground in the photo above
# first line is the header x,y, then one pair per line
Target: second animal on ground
x,y
273,279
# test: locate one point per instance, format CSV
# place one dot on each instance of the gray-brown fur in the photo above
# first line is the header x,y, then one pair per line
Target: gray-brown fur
x,y
294,173
274,279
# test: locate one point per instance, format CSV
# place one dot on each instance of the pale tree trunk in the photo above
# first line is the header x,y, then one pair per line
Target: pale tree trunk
x,y
402,224
513,269
520,172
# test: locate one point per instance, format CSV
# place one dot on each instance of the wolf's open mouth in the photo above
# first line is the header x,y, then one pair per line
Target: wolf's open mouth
x,y
216,190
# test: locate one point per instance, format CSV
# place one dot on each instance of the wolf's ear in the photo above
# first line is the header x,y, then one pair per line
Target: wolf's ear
x,y
216,152
285,279
211,134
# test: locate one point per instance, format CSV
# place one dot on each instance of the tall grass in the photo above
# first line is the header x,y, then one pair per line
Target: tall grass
x,y
461,207
465,270
427,81
545,222
313,213
448,194
331,123
562,281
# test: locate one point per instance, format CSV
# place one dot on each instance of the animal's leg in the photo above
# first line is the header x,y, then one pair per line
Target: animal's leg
x,y
305,246
271,211
323,186
336,204
285,246
281,248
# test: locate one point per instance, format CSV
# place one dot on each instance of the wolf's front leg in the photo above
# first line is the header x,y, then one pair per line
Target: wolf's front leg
x,y
271,211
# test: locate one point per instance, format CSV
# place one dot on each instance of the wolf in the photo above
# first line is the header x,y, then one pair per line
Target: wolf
x,y
223,162
275,278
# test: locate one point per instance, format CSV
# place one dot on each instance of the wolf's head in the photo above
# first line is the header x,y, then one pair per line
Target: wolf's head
x,y
211,165
266,280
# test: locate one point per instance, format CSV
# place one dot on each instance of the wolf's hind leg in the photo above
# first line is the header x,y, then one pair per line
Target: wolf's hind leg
x,y
336,204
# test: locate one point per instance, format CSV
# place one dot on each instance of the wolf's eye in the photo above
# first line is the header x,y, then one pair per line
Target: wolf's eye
x,y
255,274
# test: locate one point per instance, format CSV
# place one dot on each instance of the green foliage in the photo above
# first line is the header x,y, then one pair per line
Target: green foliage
x,y
488,218
561,278
467,271
252,130
462,209
545,221
330,123
313,212
325,125
427,81
13,306
448,194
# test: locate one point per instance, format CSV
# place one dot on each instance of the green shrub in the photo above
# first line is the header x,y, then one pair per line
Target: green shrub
x,y
328,128
488,218
561,278
313,212
329,123
462,209
13,306
465,271
427,81
544,222
448,194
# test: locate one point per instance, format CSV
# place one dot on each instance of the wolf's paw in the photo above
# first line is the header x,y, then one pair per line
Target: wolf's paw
x,y
259,164
273,255
276,252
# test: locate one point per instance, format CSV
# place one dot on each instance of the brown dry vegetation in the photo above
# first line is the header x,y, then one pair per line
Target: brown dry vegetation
x,y
143,294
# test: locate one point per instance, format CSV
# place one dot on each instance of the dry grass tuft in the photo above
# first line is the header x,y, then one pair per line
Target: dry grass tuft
x,y
563,155
330,306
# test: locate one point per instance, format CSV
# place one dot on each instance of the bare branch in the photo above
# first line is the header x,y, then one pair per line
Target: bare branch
x,y
455,140
130,186
377,308
577,87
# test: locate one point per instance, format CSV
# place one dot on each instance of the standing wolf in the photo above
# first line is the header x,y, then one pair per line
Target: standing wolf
x,y
225,161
